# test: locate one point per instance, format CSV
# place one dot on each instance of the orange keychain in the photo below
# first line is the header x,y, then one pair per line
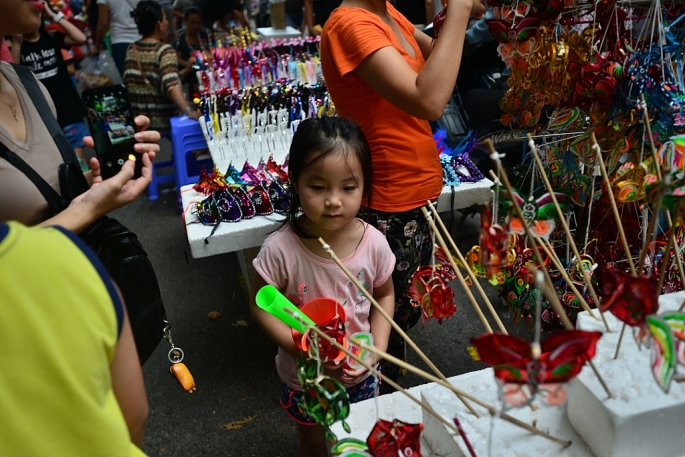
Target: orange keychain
x,y
178,369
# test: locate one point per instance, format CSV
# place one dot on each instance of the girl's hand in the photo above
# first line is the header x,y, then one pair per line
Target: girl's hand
x,y
193,114
350,376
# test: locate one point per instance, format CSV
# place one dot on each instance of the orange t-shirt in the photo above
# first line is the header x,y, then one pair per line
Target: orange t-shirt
x,y
406,166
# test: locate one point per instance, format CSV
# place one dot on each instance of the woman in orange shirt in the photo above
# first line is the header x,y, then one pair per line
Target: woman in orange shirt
x,y
389,78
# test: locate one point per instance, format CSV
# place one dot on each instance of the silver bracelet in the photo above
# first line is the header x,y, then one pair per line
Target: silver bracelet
x,y
58,17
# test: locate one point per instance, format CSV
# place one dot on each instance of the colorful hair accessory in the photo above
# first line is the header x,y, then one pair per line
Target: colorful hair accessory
x,y
464,161
207,211
204,185
279,197
228,207
260,199
449,175
276,170
246,206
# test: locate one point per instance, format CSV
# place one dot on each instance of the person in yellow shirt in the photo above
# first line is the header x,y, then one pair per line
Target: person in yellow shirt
x,y
71,382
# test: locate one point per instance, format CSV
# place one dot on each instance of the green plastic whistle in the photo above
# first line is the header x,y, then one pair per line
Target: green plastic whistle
x,y
273,302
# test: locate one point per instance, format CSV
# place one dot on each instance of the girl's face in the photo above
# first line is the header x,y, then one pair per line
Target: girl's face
x,y
330,192
194,24
19,16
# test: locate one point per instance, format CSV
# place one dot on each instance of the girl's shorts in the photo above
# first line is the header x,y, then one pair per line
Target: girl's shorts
x,y
291,399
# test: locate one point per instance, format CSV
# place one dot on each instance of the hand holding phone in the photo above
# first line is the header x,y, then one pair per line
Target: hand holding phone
x,y
110,121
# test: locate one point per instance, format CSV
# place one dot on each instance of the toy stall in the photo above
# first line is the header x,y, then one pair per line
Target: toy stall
x,y
253,97
584,240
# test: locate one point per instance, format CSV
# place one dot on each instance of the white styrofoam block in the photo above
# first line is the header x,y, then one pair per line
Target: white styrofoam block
x,y
641,420
231,237
490,436
364,414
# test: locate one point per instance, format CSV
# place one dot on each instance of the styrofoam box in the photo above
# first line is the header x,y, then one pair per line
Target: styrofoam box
x,y
641,420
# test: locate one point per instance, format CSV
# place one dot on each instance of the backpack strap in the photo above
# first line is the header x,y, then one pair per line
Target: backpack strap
x,y
71,179
50,194
36,94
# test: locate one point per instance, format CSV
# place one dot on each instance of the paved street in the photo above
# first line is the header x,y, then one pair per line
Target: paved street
x,y
235,410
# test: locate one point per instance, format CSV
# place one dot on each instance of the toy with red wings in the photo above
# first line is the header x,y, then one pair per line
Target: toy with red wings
x,y
561,358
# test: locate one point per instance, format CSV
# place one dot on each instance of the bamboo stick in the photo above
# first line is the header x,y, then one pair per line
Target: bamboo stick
x,y
473,277
549,290
392,322
392,383
567,230
445,383
612,201
557,264
460,277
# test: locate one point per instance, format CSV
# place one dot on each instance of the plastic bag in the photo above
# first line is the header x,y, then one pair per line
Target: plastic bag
x,y
98,72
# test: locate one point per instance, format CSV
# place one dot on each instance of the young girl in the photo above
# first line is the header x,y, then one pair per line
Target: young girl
x,y
330,174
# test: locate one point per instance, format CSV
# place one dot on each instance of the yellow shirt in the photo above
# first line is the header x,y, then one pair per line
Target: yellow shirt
x,y
60,319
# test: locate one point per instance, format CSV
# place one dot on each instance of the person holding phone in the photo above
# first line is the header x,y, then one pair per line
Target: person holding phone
x,y
151,70
23,132
40,51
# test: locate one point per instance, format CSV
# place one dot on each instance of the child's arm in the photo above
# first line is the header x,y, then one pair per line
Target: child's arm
x,y
380,327
274,328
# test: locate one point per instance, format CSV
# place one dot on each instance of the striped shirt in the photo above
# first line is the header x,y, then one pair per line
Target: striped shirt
x,y
149,90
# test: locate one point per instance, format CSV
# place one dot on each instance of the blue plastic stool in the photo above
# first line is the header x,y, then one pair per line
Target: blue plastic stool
x,y
186,137
152,190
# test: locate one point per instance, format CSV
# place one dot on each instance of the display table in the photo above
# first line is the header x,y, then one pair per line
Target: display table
x,y
266,33
250,233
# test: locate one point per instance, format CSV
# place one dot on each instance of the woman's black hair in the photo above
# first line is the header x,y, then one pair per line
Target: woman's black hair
x,y
316,139
146,15
190,11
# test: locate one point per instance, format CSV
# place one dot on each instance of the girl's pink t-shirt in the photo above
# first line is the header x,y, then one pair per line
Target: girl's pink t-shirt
x,y
286,263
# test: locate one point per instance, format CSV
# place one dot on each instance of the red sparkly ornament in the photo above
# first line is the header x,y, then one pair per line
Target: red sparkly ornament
x,y
630,298
392,439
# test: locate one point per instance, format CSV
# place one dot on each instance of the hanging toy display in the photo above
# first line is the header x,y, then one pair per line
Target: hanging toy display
x,y
324,398
429,289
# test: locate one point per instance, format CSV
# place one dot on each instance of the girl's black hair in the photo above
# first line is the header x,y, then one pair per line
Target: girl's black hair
x,y
190,11
146,15
316,139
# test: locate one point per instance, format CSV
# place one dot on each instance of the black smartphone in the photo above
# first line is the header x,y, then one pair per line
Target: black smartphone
x,y
110,121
